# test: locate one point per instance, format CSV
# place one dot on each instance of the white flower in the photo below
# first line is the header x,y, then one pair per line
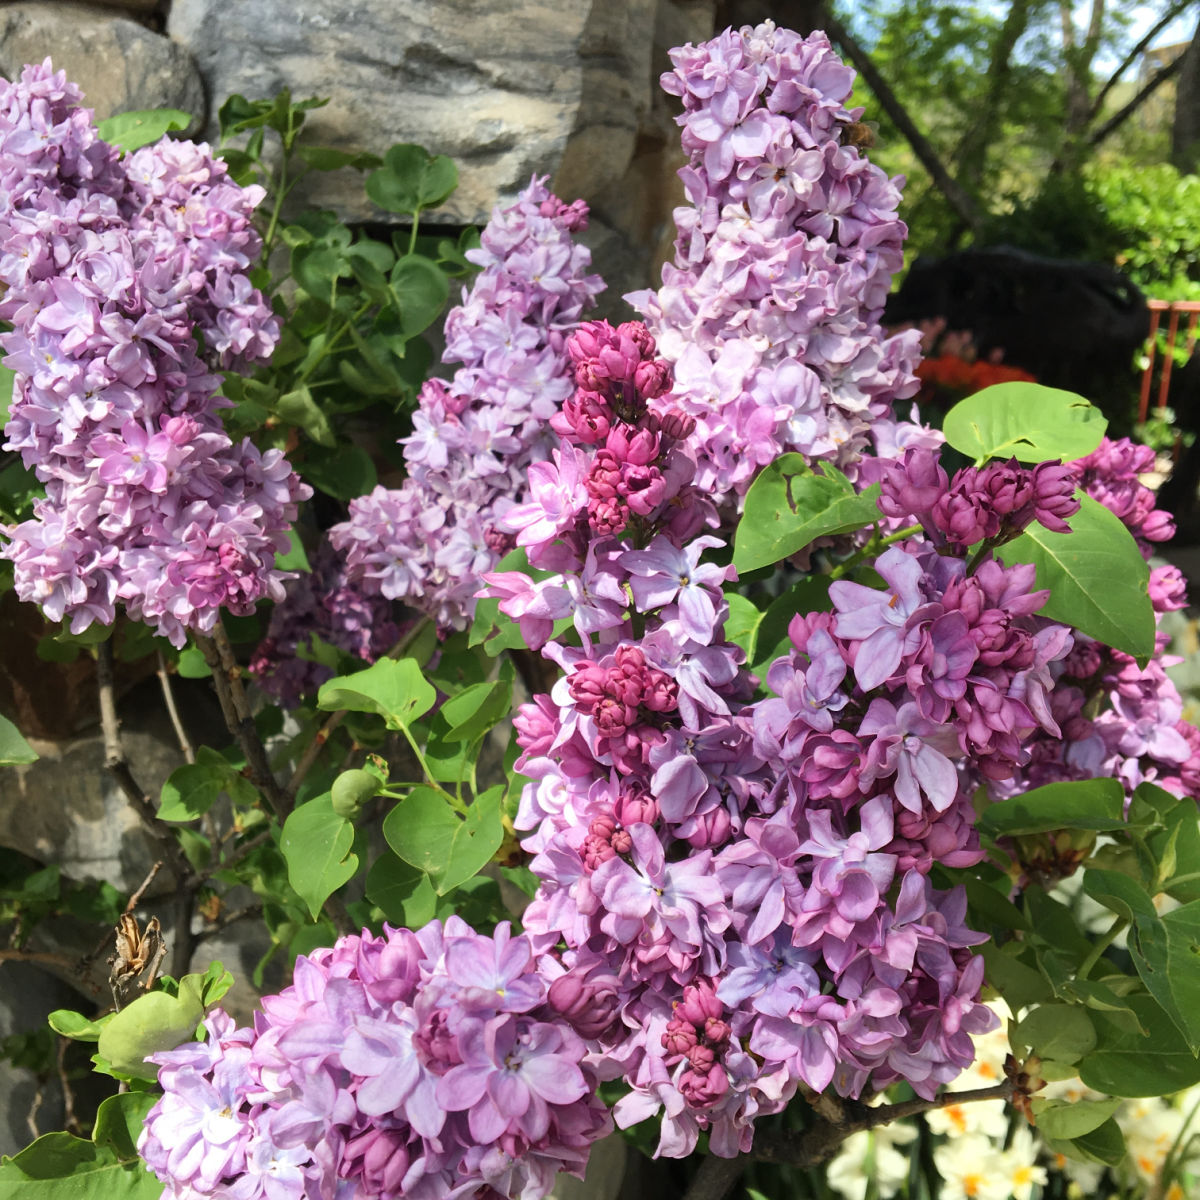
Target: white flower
x,y
872,1154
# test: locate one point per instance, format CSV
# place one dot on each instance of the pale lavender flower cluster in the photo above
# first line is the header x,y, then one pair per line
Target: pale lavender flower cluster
x,y
770,313
322,603
437,1065
110,269
473,438
1119,720
754,874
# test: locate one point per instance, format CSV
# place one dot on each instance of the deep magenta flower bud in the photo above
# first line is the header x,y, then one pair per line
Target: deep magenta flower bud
x,y
702,1058
637,805
587,1000
679,1038
629,445
699,1003
640,336
621,842
717,1031
711,829
651,378
1054,487
676,424
912,485
703,1091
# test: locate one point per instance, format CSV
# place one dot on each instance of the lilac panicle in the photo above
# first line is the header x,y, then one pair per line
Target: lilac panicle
x,y
148,503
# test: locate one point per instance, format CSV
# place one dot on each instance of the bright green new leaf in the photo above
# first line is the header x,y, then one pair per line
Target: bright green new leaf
x,y
75,1025
8,381
1025,421
1128,1063
1072,1118
132,130
1166,952
412,179
14,749
789,506
191,790
1097,577
424,831
1096,804
153,1022
393,688
316,844
192,664
59,1166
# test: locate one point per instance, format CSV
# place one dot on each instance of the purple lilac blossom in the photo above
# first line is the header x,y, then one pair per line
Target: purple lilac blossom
x,y
475,437
423,1065
770,312
148,503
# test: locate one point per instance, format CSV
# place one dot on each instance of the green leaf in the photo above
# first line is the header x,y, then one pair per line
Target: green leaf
x,y
402,892
474,711
1128,1063
119,1121
1166,953
1065,1119
322,158
191,790
1096,804
1018,982
1098,579
345,474
153,1022
412,179
420,290
132,130
316,266
14,749
1025,421
1104,1145
75,1025
295,559
8,381
316,843
789,506
1062,1032
300,409
741,626
806,596
393,688
1119,893
424,831
59,1166
192,665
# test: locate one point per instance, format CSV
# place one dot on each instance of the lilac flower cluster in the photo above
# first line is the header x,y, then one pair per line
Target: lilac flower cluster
x,y
770,313
1119,720
322,603
991,504
110,268
437,1065
473,438
756,874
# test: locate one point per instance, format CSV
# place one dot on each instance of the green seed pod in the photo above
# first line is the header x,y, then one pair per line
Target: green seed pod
x,y
351,791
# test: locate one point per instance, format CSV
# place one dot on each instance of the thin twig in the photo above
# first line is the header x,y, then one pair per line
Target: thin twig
x,y
164,679
239,914
118,766
70,1120
227,678
716,1177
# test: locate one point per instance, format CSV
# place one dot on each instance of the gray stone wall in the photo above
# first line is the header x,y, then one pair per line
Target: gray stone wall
x,y
507,88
